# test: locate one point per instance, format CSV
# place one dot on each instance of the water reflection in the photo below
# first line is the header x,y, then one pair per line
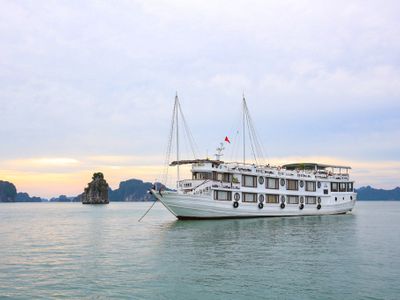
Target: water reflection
x,y
75,251
284,249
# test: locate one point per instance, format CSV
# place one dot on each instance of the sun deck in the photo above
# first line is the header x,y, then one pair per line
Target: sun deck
x,y
313,166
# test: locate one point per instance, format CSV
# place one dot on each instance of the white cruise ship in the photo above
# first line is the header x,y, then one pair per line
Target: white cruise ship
x,y
219,189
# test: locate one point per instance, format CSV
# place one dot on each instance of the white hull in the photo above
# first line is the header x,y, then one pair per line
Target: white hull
x,y
185,206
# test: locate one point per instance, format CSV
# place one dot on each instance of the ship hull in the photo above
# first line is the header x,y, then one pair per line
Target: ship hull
x,y
187,207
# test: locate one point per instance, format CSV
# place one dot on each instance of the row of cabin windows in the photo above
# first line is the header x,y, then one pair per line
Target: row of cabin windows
x,y
273,183
252,197
201,175
342,187
224,177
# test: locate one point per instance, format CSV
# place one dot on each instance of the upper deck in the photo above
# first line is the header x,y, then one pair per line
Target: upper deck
x,y
216,169
314,167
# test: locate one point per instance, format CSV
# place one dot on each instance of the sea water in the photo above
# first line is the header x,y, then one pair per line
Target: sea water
x,y
70,250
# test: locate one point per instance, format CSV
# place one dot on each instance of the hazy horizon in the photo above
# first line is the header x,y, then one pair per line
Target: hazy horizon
x,y
89,86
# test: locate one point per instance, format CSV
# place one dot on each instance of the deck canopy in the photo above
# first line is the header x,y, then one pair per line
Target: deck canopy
x,y
195,161
312,166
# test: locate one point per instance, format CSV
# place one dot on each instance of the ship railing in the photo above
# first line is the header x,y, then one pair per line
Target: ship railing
x,y
226,185
190,183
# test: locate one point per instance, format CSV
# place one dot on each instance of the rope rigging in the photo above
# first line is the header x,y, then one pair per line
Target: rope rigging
x,y
257,149
256,146
174,129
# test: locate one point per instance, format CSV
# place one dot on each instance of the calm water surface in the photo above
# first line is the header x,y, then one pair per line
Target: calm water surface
x,y
67,250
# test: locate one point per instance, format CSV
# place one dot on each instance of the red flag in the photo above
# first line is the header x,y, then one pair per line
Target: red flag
x,y
227,140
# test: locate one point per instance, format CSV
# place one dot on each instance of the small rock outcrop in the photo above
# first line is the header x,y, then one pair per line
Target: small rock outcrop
x,y
97,190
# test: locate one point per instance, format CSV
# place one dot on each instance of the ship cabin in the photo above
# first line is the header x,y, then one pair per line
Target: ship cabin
x,y
292,181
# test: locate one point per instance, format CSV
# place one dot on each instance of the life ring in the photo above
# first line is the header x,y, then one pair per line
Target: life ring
x,y
282,205
260,205
235,204
261,198
236,196
301,206
319,206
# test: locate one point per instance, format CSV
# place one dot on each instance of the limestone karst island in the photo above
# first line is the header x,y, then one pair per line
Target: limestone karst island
x,y
97,190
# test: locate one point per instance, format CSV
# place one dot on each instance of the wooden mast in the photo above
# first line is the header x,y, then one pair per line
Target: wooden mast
x,y
244,132
177,138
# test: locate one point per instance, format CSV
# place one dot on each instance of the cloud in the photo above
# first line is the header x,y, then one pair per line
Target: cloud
x,y
98,79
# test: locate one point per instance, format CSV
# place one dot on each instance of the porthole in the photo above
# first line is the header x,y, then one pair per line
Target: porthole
x,y
282,182
283,199
261,180
319,200
261,198
237,196
351,197
301,199
343,198
319,184
301,183
335,198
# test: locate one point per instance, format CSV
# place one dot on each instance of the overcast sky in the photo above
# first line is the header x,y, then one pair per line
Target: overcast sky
x,y
89,85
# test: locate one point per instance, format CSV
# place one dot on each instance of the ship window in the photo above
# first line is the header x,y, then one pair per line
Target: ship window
x,y
223,195
201,175
292,185
349,186
224,177
293,199
310,186
334,187
342,187
249,197
272,198
311,199
272,183
249,181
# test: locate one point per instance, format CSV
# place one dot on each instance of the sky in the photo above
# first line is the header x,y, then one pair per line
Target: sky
x,y
89,86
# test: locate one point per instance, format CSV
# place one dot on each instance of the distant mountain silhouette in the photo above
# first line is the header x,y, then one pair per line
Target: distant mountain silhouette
x,y
8,192
24,197
369,193
132,190
62,198
137,190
